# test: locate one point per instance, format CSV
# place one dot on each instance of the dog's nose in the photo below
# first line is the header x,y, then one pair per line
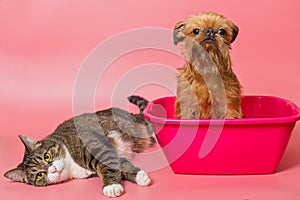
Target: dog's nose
x,y
210,33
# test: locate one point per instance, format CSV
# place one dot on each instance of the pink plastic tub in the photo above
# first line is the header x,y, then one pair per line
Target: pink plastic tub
x,y
252,145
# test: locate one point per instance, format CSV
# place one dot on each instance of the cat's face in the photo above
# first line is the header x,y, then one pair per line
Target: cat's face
x,y
43,163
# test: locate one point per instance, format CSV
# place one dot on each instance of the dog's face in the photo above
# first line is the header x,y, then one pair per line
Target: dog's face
x,y
210,30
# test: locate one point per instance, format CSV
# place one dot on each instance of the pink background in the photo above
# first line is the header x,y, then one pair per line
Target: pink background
x,y
43,44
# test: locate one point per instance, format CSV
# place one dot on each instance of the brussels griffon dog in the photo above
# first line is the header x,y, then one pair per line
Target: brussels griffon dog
x,y
207,86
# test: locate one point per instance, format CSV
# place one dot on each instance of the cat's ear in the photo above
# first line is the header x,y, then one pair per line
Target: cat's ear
x,y
15,174
28,142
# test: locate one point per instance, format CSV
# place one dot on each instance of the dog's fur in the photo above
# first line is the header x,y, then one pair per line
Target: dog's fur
x,y
207,87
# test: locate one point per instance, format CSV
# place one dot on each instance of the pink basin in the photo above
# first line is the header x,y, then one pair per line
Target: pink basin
x,y
252,145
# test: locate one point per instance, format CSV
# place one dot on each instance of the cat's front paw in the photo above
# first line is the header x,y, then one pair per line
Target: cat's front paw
x,y
142,178
113,190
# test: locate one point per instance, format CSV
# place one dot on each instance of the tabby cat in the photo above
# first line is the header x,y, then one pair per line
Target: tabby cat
x,y
92,144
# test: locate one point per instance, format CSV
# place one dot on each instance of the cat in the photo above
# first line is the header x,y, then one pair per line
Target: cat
x,y
88,145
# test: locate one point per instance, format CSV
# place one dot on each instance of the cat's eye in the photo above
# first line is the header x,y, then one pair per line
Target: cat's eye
x,y
40,175
221,31
196,31
47,157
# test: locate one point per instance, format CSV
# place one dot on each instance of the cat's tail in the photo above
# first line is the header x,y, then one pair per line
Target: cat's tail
x,y
139,101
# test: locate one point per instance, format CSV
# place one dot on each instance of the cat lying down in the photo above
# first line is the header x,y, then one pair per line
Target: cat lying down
x,y
92,144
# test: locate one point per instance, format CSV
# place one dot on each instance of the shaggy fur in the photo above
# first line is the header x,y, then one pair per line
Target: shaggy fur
x,y
207,86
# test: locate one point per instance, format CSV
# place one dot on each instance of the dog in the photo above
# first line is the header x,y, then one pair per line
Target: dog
x,y
207,86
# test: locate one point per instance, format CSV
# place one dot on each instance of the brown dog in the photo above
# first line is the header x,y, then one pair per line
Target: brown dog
x,y
207,87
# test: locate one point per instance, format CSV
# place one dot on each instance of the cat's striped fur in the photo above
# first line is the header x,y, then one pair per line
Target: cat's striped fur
x,y
92,144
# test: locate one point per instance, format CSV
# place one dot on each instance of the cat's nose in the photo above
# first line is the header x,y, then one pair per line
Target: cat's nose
x,y
52,169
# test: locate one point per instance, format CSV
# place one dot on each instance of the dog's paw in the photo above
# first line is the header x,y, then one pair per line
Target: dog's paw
x,y
113,190
142,178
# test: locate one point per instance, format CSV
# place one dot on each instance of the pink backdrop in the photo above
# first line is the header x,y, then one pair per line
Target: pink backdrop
x,y
43,46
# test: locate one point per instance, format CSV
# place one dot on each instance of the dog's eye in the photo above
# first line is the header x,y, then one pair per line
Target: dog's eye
x,y
196,31
221,31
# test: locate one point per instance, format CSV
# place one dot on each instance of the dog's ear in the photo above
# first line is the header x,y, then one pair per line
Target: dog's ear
x,y
235,31
178,35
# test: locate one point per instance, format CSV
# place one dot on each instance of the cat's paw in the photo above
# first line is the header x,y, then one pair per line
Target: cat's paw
x,y
142,178
113,190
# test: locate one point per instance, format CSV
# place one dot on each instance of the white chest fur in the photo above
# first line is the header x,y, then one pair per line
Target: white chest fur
x,y
76,171
66,168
